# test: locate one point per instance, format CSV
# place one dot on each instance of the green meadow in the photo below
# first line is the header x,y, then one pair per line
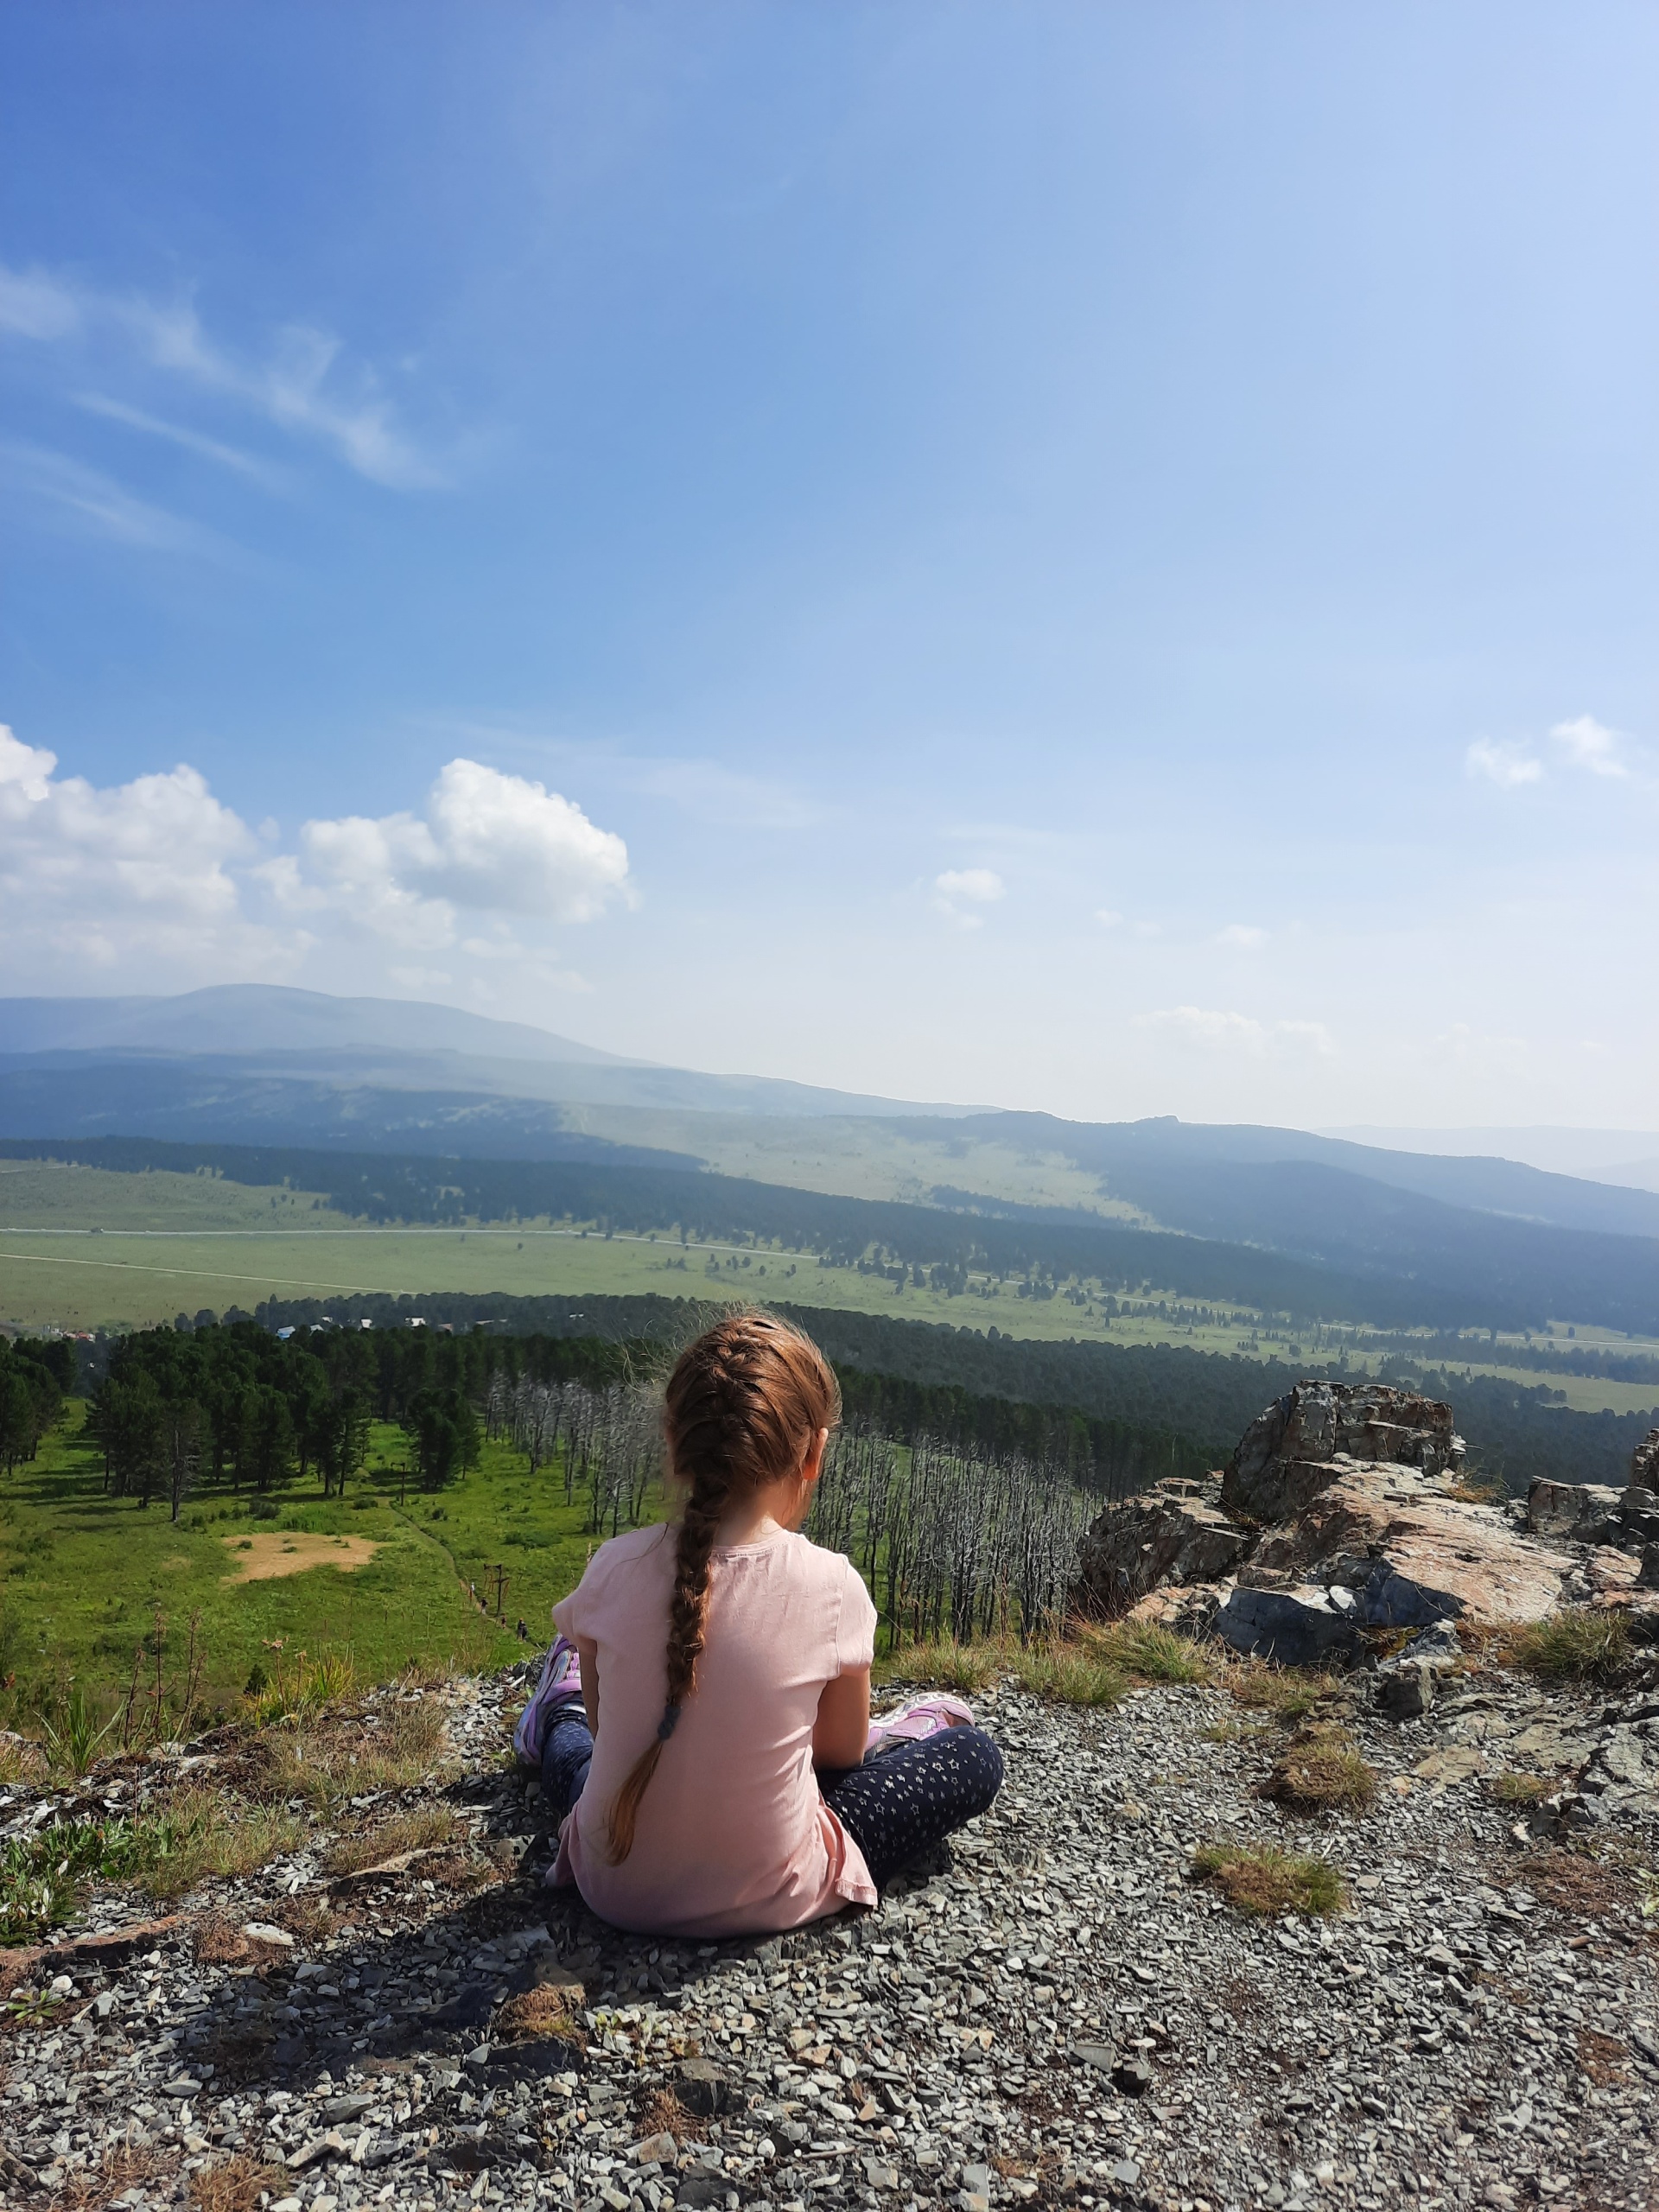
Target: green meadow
x,y
84,1249
84,1577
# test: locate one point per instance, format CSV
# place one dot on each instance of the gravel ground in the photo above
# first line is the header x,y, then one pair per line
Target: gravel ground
x,y
1055,2013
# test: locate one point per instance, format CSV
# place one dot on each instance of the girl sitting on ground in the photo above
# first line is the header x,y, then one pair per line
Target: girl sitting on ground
x,y
703,1720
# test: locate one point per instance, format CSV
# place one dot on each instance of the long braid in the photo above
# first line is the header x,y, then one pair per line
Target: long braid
x,y
742,1409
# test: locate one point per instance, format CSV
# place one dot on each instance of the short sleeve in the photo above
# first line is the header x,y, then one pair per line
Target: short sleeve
x,y
856,1632
577,1615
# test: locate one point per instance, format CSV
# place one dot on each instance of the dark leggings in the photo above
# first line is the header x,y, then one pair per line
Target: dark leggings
x,y
899,1805
896,1807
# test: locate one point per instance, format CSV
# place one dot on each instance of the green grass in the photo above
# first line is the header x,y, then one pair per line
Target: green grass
x,y
44,1876
1576,1646
1064,1674
84,1577
941,1662
1515,1788
1069,1674
1286,1692
1149,1653
1262,1880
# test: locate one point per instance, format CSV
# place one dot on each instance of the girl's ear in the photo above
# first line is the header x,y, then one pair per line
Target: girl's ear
x,y
812,1465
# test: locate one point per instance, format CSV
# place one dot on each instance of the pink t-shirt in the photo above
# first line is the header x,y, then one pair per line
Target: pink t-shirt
x,y
733,1837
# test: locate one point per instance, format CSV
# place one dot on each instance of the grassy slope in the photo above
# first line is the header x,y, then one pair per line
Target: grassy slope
x,y
84,1574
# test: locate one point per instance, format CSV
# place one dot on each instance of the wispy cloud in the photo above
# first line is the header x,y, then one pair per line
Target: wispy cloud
x,y
305,386
723,796
90,501
706,790
959,892
1504,765
1241,937
214,449
1589,744
1213,1030
1107,917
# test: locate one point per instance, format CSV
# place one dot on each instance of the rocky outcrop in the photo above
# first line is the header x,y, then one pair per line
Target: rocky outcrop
x,y
1174,1532
1303,1546
1290,1453
1409,1554
1596,1513
1644,1461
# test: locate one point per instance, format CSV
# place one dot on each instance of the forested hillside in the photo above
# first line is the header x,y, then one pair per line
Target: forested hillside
x,y
1168,1405
1467,1270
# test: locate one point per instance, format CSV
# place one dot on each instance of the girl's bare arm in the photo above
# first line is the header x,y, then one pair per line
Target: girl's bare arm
x,y
844,1722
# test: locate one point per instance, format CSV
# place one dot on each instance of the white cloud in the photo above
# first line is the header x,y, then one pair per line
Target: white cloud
x,y
1107,917
1589,744
157,883
304,386
488,841
1213,1031
92,880
1504,765
1242,936
959,890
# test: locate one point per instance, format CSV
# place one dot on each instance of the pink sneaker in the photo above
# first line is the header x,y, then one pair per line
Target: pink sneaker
x,y
916,1722
561,1681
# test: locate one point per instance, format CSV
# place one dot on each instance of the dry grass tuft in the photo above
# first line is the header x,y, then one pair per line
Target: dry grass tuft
x,y
1321,1771
129,2166
1576,1646
1263,1881
307,1919
1516,1788
553,2010
1478,1490
420,1830
662,2113
1602,2057
236,2184
1287,1693
1576,1886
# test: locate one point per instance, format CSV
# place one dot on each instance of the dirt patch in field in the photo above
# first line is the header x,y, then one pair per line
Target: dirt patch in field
x,y
263,1558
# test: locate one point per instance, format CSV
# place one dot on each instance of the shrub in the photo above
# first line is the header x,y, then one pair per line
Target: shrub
x,y
43,1876
1321,1772
1576,1646
300,1688
1260,1879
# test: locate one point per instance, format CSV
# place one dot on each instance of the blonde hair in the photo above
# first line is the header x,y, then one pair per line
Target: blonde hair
x,y
741,1410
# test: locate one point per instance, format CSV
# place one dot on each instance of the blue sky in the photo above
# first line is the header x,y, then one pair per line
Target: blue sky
x,y
1094,557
